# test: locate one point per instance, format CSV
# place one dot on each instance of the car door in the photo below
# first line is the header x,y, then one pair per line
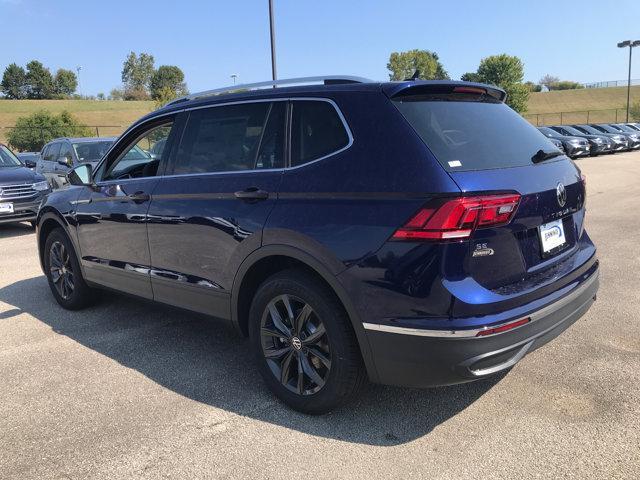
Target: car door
x,y
50,157
111,216
208,212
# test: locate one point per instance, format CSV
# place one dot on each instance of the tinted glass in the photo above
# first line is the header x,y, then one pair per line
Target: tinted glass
x,y
7,158
222,139
52,152
588,129
571,130
316,131
271,151
472,135
605,128
142,157
549,132
65,153
91,151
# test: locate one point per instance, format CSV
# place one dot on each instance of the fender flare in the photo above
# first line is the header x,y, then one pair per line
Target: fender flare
x,y
52,214
324,272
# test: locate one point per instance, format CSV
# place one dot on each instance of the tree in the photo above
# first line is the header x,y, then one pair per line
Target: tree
x,y
137,71
65,82
470,77
14,82
533,87
168,80
39,82
33,131
548,80
403,65
506,72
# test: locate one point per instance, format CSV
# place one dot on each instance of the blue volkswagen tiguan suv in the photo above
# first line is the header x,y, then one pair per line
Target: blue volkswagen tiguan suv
x,y
415,233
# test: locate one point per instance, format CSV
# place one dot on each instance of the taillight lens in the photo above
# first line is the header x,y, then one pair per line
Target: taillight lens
x,y
457,218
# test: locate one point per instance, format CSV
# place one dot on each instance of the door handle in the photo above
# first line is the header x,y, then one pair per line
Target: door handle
x,y
252,193
140,197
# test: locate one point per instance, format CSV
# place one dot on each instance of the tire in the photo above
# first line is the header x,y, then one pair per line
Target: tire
x,y
331,352
63,273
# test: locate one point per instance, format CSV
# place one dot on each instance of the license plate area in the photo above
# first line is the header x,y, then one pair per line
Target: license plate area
x,y
6,207
552,238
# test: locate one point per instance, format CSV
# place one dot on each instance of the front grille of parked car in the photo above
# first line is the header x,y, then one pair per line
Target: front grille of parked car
x,y
17,192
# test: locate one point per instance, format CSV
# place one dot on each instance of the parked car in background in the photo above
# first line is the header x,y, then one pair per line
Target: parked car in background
x,y
557,143
598,143
30,159
620,142
21,189
334,225
59,156
634,125
630,130
574,147
633,140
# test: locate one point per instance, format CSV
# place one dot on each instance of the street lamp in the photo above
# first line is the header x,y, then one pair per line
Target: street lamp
x,y
234,76
630,44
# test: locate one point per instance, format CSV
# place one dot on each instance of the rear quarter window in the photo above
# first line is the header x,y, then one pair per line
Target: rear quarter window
x,y
472,135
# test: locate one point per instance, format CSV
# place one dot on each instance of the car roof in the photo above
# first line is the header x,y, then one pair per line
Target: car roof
x,y
83,139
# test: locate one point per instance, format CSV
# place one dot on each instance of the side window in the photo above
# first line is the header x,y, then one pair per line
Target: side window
x,y
52,152
66,153
316,131
142,157
229,138
45,152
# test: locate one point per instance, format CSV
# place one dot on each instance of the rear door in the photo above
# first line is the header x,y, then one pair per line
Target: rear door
x,y
487,148
208,213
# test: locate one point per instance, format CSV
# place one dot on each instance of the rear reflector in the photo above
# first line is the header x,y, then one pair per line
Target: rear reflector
x,y
459,217
503,328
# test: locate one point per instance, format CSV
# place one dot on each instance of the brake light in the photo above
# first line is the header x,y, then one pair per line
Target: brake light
x,y
503,328
473,90
459,217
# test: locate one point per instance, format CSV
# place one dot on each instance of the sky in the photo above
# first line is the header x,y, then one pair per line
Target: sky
x,y
210,40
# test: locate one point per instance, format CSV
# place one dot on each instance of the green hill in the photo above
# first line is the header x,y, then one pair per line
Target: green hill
x,y
111,117
602,104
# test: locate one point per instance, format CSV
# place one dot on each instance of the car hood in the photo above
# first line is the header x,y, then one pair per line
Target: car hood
x,y
18,175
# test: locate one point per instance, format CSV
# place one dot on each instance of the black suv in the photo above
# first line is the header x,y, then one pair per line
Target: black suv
x,y
415,233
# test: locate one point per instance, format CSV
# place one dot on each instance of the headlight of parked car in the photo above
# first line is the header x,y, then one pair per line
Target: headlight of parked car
x,y
574,142
40,186
597,140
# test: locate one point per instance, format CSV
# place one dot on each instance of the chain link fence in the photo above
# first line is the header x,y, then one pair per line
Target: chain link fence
x,y
612,115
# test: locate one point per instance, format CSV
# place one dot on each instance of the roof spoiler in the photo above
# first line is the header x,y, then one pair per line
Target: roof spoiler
x,y
425,87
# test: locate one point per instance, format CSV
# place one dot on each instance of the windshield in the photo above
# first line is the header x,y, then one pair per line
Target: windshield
x,y
472,135
8,159
549,132
91,151
589,129
606,128
572,131
626,128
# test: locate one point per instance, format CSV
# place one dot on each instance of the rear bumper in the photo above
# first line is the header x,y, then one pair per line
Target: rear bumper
x,y
424,358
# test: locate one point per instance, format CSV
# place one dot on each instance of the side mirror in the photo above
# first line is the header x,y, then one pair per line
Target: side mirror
x,y
66,161
30,164
81,175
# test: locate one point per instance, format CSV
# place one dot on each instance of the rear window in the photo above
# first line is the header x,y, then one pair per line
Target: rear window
x,y
472,135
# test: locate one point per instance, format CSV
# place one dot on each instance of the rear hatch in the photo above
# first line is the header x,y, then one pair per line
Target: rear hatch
x,y
488,149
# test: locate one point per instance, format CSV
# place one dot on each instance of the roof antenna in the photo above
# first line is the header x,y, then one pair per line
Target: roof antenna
x,y
414,77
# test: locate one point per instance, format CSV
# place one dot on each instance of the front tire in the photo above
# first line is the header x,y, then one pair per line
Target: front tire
x,y
63,273
304,343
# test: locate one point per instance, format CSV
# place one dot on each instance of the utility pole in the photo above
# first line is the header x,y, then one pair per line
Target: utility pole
x,y
274,74
630,44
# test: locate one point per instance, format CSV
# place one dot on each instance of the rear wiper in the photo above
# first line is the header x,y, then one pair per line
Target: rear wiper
x,y
541,155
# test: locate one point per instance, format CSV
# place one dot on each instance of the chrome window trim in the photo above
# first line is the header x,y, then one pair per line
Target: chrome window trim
x,y
472,333
240,102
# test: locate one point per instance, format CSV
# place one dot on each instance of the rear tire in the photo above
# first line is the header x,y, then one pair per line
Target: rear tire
x,y
304,344
63,273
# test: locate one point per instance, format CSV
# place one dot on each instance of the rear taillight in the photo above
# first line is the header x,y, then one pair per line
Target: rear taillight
x,y
457,218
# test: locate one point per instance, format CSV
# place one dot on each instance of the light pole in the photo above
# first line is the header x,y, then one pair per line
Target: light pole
x,y
274,75
234,76
630,44
78,68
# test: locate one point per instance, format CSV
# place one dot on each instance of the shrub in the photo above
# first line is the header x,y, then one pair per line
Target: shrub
x,y
33,131
565,85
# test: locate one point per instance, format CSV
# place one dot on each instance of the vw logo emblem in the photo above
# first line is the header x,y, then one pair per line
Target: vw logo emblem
x,y
561,194
296,343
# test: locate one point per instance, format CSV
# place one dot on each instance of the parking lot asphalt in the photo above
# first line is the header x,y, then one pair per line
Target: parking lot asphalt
x,y
127,389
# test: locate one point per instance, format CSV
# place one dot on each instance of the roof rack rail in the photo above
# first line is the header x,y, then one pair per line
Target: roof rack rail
x,y
327,80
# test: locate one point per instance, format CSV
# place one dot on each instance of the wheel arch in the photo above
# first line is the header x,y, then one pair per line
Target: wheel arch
x,y
49,220
270,259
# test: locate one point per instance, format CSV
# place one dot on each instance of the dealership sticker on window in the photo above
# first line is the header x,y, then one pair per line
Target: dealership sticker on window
x,y
455,163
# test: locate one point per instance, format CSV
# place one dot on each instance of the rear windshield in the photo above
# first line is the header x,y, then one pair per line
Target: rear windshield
x,y
472,135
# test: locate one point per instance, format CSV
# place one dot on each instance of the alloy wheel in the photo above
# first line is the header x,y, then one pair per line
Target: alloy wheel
x,y
295,345
61,270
